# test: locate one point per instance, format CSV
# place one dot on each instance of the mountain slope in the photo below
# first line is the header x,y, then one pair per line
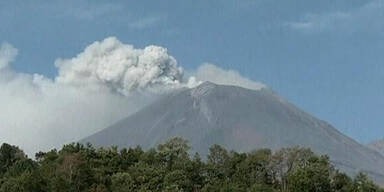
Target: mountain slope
x,y
239,119
378,146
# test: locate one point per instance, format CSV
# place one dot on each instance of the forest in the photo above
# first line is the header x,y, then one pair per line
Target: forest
x,y
172,167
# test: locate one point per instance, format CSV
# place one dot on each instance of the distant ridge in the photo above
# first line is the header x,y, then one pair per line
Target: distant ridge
x,y
239,119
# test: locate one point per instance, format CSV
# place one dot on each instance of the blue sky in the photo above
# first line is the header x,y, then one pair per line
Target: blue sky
x,y
324,56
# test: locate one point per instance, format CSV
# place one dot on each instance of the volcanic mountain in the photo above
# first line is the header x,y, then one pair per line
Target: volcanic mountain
x,y
239,119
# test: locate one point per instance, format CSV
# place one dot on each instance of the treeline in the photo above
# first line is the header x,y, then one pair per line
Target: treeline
x,y
169,167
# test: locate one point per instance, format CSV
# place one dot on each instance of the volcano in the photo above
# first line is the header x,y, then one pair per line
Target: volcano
x,y
239,119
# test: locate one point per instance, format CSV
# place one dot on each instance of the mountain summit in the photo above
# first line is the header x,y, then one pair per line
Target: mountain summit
x,y
239,119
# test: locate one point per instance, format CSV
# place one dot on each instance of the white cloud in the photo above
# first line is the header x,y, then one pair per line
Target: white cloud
x,y
90,13
367,18
82,10
301,25
319,23
7,55
214,74
108,81
146,22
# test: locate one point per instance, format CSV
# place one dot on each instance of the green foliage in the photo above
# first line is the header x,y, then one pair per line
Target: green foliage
x,y
9,155
174,152
341,183
314,176
26,182
361,183
170,168
262,188
122,182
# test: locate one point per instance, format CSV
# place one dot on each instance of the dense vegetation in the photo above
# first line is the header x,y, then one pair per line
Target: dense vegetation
x,y
170,168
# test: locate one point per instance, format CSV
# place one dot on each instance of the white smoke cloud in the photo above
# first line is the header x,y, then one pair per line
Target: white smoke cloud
x,y
214,74
106,82
121,67
7,54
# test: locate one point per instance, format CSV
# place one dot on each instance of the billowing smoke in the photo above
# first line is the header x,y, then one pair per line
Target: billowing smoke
x,y
121,67
106,82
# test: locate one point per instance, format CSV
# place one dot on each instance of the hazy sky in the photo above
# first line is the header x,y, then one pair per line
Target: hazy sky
x,y
324,56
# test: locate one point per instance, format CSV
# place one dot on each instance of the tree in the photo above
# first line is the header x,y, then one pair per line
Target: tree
x,y
9,155
314,176
26,182
98,188
261,188
169,167
74,171
286,161
361,183
223,186
122,182
341,182
174,150
178,179
146,177
255,168
218,157
196,173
